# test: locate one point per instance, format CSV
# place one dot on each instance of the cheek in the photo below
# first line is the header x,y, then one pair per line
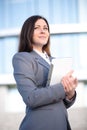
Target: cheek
x,y
48,34
34,37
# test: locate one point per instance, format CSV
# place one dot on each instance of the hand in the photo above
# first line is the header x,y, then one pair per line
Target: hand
x,y
69,83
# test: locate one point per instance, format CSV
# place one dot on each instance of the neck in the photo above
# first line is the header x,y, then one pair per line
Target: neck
x,y
38,48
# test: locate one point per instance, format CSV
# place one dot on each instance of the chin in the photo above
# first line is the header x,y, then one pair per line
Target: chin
x,y
43,43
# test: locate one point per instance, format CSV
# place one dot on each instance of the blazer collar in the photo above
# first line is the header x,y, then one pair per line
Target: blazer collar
x,y
40,59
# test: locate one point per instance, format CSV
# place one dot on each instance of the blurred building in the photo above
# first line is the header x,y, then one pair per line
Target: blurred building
x,y
68,23
68,27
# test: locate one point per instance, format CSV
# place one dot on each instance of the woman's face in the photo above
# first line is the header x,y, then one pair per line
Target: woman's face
x,y
41,33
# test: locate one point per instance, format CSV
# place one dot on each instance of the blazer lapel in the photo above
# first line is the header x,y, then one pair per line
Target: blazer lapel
x,y
40,59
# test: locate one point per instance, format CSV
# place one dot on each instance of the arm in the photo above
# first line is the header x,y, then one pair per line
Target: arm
x,y
27,84
69,102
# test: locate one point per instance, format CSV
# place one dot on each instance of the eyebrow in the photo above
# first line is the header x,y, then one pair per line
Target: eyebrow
x,y
40,25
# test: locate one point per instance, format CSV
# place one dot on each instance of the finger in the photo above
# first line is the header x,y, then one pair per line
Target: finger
x,y
69,84
75,82
64,84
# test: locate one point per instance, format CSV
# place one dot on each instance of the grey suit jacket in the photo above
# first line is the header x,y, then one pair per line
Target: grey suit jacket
x,y
45,105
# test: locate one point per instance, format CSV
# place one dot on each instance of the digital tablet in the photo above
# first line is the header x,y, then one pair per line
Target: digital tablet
x,y
58,68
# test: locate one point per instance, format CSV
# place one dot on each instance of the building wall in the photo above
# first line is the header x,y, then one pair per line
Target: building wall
x,y
14,12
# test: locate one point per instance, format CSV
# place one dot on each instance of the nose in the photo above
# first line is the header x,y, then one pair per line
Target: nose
x,y
42,30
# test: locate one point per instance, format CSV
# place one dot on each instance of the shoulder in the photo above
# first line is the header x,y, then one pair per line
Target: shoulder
x,y
22,58
23,55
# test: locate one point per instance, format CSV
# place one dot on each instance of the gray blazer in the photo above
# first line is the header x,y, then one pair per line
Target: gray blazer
x,y
45,105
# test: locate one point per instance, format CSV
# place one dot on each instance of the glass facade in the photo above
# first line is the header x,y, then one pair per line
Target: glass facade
x,y
14,12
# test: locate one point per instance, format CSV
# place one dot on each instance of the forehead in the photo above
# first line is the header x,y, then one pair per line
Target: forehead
x,y
41,22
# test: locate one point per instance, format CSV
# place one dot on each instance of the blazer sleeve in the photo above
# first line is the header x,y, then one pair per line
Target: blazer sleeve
x,y
27,84
70,102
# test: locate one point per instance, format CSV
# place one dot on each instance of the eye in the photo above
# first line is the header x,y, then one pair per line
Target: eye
x,y
41,28
36,27
45,28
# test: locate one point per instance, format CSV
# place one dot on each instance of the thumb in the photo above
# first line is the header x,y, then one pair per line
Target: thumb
x,y
70,73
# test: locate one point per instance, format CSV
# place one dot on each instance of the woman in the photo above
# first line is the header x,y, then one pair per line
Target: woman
x,y
45,105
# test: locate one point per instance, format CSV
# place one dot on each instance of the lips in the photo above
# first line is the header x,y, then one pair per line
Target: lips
x,y
42,36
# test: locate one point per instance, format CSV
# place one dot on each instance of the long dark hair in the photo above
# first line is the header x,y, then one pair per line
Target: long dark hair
x,y
25,43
